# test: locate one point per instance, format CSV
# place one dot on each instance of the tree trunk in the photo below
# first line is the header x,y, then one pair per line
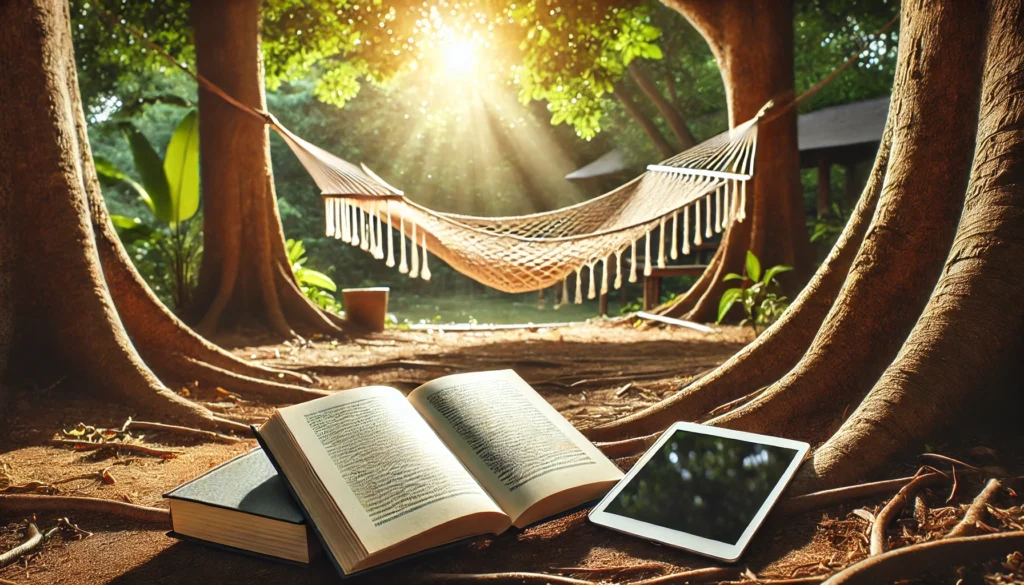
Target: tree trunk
x,y
968,342
664,148
672,115
959,340
753,45
58,316
935,103
245,277
780,347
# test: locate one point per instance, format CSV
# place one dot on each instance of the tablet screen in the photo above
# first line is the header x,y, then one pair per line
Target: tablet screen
x,y
703,485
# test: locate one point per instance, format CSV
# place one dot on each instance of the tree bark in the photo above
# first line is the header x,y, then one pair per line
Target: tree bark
x,y
671,113
664,148
58,314
245,277
753,45
934,115
968,342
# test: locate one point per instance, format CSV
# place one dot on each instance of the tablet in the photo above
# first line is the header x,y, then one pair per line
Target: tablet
x,y
702,489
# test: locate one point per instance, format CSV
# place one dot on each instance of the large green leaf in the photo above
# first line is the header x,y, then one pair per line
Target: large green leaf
x,y
181,167
729,298
310,277
753,267
151,171
110,175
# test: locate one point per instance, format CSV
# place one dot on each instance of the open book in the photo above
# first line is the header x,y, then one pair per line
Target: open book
x,y
381,475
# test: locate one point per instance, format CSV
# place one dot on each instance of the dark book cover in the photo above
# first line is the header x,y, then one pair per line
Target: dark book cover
x,y
248,483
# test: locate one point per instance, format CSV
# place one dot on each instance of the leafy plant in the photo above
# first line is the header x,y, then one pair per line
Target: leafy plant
x,y
760,301
317,286
170,189
826,230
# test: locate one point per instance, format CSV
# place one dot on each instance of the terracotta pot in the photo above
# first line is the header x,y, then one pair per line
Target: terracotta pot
x,y
366,307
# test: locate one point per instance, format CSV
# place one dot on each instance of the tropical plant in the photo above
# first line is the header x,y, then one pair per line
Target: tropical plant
x,y
170,189
317,286
825,230
761,300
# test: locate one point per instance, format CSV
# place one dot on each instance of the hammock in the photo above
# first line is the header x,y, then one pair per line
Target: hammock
x,y
706,185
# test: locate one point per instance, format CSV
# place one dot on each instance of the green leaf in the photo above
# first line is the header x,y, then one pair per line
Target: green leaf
x,y
770,274
753,267
652,52
111,175
311,277
151,170
729,298
732,276
181,167
123,222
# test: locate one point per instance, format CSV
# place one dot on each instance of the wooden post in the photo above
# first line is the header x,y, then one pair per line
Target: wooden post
x,y
652,291
850,184
823,184
602,305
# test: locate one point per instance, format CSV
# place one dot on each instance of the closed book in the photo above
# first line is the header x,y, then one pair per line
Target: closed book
x,y
244,505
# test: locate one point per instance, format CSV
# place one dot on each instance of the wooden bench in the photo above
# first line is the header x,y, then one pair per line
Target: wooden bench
x,y
652,283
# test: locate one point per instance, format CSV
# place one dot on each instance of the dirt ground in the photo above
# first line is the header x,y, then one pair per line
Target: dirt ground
x,y
581,370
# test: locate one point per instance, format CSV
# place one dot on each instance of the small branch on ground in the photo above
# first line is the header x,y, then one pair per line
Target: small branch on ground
x,y
627,447
976,512
129,447
511,577
31,504
894,507
950,460
619,569
705,575
189,431
917,559
823,499
34,538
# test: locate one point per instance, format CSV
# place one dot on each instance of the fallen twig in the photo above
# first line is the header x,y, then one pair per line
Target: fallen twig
x,y
617,570
130,447
783,581
623,390
894,507
733,403
950,460
916,559
70,504
155,426
705,575
33,540
976,512
510,577
831,497
627,447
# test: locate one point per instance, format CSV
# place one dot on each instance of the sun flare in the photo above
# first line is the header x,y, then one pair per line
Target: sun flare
x,y
460,57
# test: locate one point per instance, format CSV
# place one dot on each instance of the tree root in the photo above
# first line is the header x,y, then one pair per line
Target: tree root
x,y
188,431
706,575
823,499
627,447
618,570
188,369
31,504
976,512
510,577
914,560
895,506
129,447
34,538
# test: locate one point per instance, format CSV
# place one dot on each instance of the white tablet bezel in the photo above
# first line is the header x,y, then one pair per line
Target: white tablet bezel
x,y
691,542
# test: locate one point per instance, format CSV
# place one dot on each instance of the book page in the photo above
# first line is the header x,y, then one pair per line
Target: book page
x,y
383,465
515,443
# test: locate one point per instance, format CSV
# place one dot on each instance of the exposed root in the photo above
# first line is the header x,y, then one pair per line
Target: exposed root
x,y
918,559
976,512
706,575
627,447
510,577
179,430
116,446
895,506
823,499
31,504
34,539
188,369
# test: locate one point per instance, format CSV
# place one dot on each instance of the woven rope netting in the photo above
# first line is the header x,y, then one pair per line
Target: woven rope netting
x,y
688,197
